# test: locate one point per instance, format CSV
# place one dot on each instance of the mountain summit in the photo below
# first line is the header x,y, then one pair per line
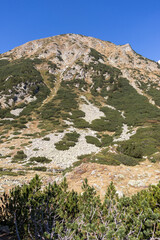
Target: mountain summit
x,y
72,99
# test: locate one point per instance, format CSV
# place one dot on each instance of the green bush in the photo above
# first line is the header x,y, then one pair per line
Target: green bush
x,y
46,139
103,124
42,169
106,140
20,156
72,136
147,139
40,159
93,140
131,148
77,114
136,107
67,99
3,62
81,123
56,213
69,140
64,145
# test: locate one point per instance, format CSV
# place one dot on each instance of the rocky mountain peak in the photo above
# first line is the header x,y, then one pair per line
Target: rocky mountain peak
x,y
126,47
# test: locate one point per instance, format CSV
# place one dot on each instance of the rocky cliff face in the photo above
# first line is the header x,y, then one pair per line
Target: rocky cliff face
x,y
70,99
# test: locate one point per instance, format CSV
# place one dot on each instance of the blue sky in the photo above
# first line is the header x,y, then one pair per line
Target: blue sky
x,y
120,21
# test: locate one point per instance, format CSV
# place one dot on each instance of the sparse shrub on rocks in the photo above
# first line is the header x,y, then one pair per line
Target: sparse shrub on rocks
x,y
64,145
95,54
20,156
40,160
69,140
72,136
46,138
43,169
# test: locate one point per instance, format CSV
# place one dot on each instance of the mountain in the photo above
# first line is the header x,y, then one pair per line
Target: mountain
x,y
71,102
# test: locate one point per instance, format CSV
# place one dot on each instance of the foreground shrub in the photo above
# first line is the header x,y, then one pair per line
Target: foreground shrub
x,y
56,213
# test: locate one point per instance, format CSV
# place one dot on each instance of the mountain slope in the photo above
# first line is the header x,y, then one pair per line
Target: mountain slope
x,y
70,99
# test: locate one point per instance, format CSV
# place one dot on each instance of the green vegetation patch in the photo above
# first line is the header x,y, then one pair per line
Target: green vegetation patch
x,y
111,122
106,158
114,159
106,140
69,140
19,71
46,139
19,157
41,169
77,114
155,94
95,54
67,99
22,72
99,79
136,107
81,123
8,172
42,93
144,143
3,62
93,140
40,160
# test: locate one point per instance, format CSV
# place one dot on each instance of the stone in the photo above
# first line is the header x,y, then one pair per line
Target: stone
x,y
120,193
96,186
119,177
93,172
136,183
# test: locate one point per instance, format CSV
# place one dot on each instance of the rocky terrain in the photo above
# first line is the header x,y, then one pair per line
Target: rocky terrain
x,y
77,106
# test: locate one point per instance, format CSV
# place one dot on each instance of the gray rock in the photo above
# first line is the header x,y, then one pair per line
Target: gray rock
x,y
120,193
96,186
137,183
119,177
93,172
